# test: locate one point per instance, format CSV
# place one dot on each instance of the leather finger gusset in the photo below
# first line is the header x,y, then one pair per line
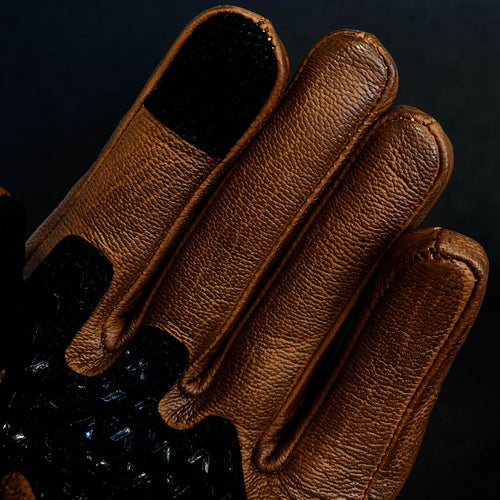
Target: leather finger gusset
x,y
416,316
387,187
347,81
189,123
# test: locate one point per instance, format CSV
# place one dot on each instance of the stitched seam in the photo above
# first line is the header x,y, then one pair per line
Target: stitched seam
x,y
427,124
299,213
323,345
188,31
427,375
181,215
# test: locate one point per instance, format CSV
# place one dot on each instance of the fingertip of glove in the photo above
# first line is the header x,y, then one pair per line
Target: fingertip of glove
x,y
367,48
437,243
227,66
445,148
455,246
421,144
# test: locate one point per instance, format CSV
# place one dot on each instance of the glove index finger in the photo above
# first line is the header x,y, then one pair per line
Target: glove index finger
x,y
218,84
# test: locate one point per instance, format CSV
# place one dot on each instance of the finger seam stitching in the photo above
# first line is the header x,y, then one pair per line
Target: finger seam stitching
x,y
300,211
435,255
385,121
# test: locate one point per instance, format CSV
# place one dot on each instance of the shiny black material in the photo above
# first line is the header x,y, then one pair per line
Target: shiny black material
x,y
101,437
217,83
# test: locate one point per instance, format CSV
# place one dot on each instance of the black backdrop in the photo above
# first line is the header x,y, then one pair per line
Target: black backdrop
x,y
70,69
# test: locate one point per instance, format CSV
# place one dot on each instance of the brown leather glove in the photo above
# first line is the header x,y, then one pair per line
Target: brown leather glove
x,y
317,320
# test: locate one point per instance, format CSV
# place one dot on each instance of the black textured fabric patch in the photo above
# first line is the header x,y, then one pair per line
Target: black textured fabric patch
x,y
102,437
217,83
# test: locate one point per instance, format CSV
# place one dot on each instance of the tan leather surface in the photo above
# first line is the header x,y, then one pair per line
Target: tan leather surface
x,y
385,190
263,373
134,202
313,227
348,79
148,169
374,414
360,436
14,486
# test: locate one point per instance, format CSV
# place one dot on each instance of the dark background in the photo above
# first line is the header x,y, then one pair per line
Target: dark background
x,y
70,69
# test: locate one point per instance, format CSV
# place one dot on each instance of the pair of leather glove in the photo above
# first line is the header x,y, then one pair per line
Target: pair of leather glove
x,y
234,301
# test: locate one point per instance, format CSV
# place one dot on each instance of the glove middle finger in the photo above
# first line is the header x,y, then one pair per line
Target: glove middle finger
x,y
345,83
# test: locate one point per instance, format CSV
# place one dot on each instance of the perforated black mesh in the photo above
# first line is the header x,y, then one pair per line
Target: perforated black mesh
x,y
102,437
217,83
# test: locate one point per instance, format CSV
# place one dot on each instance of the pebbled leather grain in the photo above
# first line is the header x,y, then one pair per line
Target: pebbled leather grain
x,y
135,200
135,176
345,83
317,319
264,373
15,486
374,412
